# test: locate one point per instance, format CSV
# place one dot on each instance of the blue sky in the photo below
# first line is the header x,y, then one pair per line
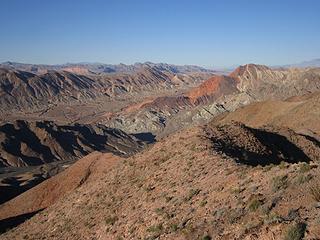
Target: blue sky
x,y
207,33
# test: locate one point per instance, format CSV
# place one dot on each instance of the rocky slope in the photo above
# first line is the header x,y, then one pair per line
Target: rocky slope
x,y
191,186
261,82
33,143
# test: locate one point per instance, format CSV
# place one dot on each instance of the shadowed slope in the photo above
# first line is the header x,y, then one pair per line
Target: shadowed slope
x,y
263,146
33,143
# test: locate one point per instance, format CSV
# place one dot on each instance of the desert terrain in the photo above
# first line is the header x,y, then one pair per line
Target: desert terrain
x,y
159,151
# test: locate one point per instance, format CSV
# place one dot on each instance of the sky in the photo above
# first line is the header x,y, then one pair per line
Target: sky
x,y
206,33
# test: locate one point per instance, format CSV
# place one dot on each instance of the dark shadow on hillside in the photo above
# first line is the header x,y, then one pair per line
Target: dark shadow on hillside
x,y
147,137
312,139
14,187
277,148
9,223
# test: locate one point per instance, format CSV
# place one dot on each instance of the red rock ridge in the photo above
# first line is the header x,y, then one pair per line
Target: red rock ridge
x,y
214,87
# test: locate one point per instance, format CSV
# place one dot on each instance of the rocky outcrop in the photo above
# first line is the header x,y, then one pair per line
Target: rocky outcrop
x,y
212,89
262,82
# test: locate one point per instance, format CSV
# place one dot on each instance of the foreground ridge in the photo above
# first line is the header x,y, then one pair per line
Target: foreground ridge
x,y
184,187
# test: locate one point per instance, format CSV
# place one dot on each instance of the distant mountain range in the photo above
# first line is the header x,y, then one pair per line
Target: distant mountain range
x,y
311,63
102,68
99,68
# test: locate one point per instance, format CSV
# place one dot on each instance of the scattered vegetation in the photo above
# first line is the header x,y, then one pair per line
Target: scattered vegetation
x,y
295,232
279,182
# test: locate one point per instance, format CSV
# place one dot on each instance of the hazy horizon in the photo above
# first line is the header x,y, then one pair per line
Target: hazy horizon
x,y
203,33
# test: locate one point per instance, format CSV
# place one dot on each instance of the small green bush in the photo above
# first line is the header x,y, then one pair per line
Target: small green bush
x,y
295,232
174,227
305,167
203,203
283,165
206,237
279,182
155,228
254,205
192,193
111,220
315,192
303,178
268,167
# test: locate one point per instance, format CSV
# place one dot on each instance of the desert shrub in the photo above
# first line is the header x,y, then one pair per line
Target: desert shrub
x,y
303,178
283,165
272,218
315,192
279,182
295,232
168,198
159,211
305,167
251,226
237,190
111,220
155,228
206,237
174,227
192,193
254,205
203,203
233,215
268,167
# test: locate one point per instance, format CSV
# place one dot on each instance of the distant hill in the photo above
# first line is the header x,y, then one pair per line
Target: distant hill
x,y
311,63
24,87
